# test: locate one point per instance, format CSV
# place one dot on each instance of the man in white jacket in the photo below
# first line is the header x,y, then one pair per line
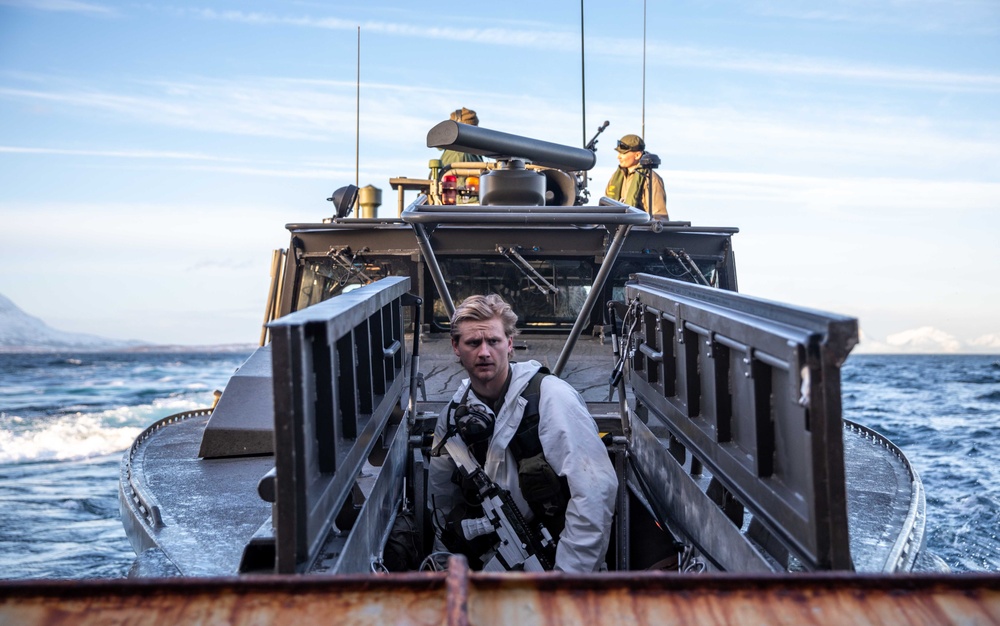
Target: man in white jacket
x,y
482,335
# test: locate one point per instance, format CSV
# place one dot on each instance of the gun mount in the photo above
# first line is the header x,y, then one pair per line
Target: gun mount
x,y
511,183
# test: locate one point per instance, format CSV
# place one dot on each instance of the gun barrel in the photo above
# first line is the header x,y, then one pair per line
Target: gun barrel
x,y
495,144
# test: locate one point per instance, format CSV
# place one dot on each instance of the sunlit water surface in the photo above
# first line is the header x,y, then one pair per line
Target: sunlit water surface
x,y
65,421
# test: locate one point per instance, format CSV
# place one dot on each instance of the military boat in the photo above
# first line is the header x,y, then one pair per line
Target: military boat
x,y
740,481
722,412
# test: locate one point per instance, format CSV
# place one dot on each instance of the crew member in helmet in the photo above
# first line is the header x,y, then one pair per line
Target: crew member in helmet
x,y
630,182
536,439
463,116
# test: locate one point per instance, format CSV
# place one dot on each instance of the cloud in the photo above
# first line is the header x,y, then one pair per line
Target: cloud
x,y
963,16
221,265
198,162
833,141
843,195
118,154
814,67
542,38
545,37
927,340
61,6
987,342
924,339
254,106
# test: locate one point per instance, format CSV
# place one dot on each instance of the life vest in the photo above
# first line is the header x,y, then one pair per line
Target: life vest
x,y
631,195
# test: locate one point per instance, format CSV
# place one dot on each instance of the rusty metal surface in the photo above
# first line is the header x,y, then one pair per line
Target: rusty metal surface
x,y
826,598
462,597
418,600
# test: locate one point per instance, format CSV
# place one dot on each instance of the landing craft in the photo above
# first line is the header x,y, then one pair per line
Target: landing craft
x,y
743,493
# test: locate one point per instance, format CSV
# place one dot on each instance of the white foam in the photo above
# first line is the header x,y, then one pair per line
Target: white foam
x,y
85,435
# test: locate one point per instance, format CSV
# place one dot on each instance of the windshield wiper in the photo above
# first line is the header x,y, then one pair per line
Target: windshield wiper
x,y
536,279
689,265
349,262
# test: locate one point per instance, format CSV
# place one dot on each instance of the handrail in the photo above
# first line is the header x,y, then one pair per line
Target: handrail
x,y
613,213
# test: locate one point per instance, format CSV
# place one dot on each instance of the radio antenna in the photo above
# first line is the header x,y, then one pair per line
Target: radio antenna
x,y
357,114
644,70
583,78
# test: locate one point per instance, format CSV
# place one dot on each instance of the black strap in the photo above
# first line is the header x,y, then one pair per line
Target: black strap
x,y
526,443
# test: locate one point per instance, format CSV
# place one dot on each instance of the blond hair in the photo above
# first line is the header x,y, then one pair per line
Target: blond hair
x,y
481,308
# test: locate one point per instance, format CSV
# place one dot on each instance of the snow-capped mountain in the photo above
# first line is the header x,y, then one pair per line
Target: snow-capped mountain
x,y
20,331
928,340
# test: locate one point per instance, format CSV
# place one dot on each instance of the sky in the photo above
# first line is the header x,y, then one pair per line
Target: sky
x,y
152,153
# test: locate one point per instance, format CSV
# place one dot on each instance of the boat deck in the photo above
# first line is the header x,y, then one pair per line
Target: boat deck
x,y
166,472
191,495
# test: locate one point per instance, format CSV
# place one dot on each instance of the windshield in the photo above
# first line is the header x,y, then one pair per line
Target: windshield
x,y
328,276
546,294
543,293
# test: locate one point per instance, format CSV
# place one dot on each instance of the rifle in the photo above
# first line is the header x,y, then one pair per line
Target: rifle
x,y
592,144
520,546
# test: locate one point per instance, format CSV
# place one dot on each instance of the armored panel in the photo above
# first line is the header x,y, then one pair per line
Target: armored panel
x,y
752,389
338,376
242,423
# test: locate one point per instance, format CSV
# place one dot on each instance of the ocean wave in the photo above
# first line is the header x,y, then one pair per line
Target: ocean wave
x,y
83,435
68,438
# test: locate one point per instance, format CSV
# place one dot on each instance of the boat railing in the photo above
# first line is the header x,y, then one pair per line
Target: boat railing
x,y
752,389
910,541
137,496
607,212
338,375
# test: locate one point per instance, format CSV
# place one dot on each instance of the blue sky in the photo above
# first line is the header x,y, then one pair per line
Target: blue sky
x,y
151,153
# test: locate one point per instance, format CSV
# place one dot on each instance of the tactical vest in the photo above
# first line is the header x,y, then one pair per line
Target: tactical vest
x,y
546,492
634,193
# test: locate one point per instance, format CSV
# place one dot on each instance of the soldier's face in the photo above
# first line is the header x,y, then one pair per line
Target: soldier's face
x,y
484,351
628,159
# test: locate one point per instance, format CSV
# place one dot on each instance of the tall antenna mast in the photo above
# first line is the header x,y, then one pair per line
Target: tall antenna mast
x,y
644,70
357,115
583,78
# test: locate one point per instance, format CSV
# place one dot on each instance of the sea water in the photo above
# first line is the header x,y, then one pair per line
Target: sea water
x,y
66,419
943,411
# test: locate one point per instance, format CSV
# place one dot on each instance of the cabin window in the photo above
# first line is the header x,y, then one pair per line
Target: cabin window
x,y
668,267
544,293
324,277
